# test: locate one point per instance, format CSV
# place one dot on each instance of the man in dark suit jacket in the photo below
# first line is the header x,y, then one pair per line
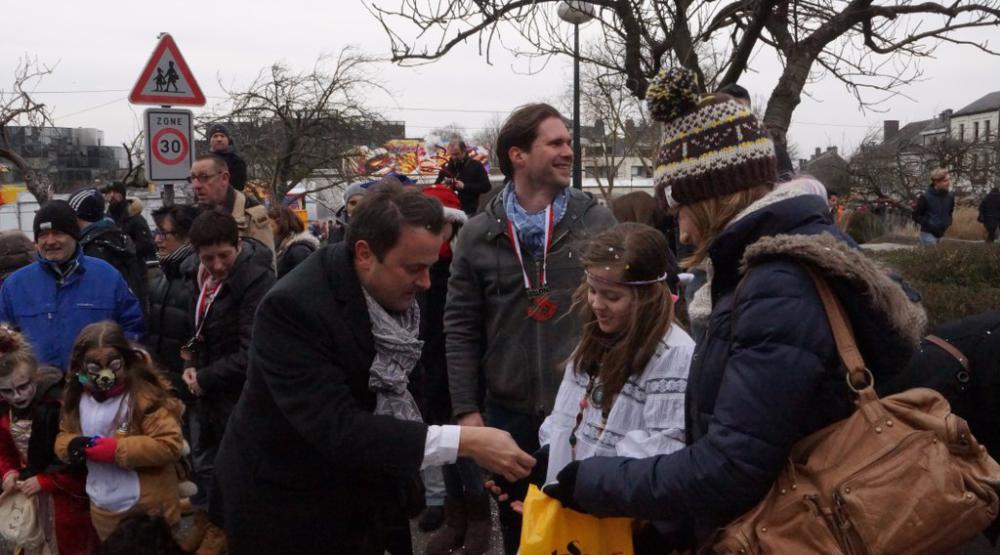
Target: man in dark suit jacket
x,y
316,459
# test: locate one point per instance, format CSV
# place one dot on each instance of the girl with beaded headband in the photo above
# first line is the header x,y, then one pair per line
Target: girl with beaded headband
x,y
622,392
30,403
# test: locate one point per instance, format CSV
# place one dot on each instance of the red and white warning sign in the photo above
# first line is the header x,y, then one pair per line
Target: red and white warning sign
x,y
169,152
166,80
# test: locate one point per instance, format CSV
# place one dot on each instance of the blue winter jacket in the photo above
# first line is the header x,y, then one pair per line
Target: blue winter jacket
x,y
766,373
51,314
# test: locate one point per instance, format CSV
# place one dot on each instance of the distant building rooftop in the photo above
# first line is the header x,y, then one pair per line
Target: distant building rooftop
x,y
988,103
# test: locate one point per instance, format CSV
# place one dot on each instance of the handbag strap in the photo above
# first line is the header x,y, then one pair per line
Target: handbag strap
x,y
847,347
950,349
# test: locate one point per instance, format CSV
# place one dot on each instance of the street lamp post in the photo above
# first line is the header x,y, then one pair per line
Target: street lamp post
x,y
576,13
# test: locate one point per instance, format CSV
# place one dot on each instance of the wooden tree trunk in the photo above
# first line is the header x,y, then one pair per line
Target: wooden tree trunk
x,y
37,184
786,96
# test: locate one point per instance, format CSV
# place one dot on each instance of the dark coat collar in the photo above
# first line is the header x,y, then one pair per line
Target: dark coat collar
x,y
777,214
339,265
254,259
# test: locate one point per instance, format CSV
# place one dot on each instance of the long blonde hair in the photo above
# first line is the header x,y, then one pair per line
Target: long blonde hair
x,y
711,216
642,254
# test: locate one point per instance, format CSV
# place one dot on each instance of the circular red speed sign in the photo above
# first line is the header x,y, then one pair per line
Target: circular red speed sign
x,y
170,146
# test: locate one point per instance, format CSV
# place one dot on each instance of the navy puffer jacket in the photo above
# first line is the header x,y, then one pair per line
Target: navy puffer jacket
x,y
767,372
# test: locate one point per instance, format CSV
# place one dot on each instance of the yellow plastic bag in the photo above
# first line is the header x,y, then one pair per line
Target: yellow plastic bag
x,y
551,529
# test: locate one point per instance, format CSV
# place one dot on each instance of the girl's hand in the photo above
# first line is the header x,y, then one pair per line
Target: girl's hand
x,y
10,480
30,486
501,497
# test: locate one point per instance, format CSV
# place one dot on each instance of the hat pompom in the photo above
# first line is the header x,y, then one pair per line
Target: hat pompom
x,y
672,94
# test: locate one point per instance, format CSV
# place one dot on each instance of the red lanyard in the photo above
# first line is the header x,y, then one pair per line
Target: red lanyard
x,y
542,287
205,300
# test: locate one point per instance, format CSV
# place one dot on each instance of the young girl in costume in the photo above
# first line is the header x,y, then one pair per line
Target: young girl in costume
x,y
120,417
29,423
622,392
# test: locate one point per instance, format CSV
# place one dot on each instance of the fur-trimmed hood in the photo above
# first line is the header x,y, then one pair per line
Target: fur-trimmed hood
x,y
303,237
839,262
791,224
135,206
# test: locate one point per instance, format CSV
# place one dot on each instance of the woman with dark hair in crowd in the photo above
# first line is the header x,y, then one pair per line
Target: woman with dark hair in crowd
x,y
172,292
295,244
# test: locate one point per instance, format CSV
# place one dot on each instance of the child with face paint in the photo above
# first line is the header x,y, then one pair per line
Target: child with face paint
x,y
29,423
120,418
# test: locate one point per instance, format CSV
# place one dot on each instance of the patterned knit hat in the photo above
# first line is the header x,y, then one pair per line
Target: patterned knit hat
x,y
712,145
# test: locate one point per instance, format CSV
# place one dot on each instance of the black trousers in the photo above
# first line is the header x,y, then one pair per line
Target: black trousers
x,y
991,232
524,429
263,518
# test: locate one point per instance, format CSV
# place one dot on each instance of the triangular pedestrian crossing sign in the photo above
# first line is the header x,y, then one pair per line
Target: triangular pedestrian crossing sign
x,y
166,79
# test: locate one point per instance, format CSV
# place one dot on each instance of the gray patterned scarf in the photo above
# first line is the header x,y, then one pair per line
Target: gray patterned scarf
x,y
397,351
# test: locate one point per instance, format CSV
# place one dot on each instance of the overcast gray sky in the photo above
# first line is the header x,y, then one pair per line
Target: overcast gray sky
x,y
102,46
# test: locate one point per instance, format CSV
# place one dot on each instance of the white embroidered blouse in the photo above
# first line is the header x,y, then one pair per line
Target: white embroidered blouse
x,y
647,417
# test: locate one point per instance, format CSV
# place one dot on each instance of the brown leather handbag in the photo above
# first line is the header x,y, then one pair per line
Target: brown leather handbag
x,y
902,475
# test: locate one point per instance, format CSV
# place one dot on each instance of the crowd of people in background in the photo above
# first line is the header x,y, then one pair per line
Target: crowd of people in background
x,y
301,388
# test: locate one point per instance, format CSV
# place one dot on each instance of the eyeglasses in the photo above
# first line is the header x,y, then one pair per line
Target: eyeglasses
x,y
202,178
162,234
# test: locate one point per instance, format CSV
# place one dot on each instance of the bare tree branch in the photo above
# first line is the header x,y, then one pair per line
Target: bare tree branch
x,y
862,43
291,124
18,107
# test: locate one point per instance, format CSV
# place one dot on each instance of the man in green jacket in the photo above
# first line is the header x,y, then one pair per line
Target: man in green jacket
x,y
516,265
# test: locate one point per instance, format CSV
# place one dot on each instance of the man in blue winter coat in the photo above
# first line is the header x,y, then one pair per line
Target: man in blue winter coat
x,y
54,298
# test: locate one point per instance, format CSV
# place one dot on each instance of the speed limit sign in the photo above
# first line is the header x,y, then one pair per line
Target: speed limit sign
x,y
168,144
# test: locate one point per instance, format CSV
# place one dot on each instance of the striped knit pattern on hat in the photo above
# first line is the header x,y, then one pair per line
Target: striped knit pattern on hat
x,y
712,146
88,204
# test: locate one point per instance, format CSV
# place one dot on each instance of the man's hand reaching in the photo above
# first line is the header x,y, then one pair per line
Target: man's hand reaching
x,y
496,451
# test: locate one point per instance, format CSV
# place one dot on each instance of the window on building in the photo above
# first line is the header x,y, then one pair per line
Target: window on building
x,y
641,171
961,132
986,130
975,131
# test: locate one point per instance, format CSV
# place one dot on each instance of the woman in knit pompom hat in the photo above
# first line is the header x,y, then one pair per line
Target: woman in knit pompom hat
x,y
766,373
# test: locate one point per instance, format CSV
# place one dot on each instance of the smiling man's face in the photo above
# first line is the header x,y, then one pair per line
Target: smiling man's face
x,y
55,246
549,162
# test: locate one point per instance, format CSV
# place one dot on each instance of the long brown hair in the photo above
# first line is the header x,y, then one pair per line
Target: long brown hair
x,y
641,253
287,220
640,207
711,216
142,379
